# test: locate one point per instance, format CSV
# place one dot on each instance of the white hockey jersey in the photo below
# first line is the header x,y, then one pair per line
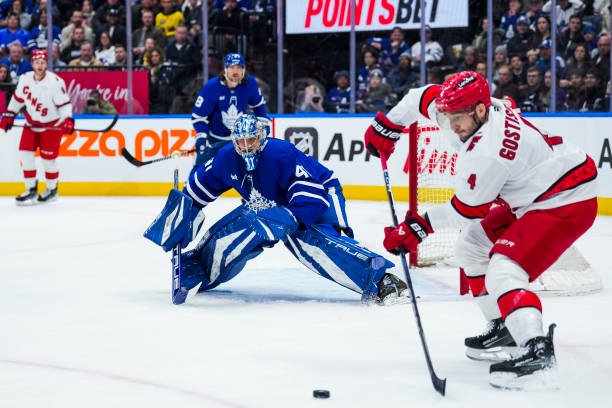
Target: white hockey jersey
x,y
46,101
508,160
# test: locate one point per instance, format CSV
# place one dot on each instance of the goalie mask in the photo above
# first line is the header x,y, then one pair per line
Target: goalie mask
x,y
249,139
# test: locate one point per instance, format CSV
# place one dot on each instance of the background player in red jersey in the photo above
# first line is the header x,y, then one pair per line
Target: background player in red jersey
x,y
545,191
48,114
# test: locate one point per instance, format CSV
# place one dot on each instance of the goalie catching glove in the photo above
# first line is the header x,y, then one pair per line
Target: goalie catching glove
x,y
407,234
381,136
178,222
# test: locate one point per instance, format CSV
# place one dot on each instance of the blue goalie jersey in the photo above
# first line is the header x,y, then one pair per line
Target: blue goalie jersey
x,y
284,176
216,107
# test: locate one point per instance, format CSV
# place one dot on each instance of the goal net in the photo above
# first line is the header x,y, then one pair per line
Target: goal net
x,y
431,169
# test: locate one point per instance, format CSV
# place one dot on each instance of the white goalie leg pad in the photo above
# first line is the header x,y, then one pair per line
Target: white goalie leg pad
x,y
503,276
472,254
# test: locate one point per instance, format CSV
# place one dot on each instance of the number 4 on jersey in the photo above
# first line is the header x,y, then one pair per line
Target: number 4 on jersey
x,y
301,172
472,181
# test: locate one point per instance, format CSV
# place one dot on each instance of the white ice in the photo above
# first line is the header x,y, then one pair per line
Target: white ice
x,y
86,320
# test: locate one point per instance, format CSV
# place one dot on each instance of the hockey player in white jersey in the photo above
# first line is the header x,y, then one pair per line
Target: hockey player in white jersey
x,y
48,114
545,192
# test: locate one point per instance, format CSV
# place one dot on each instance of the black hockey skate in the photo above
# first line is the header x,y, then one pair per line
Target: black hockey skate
x,y
535,369
391,291
28,197
47,196
495,344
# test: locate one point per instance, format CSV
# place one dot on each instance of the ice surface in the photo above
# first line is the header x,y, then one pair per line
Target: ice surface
x,y
86,320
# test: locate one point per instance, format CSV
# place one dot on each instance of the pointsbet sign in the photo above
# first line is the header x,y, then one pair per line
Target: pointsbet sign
x,y
319,16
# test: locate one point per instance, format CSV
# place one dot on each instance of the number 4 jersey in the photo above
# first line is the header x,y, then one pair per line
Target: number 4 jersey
x,y
45,101
508,160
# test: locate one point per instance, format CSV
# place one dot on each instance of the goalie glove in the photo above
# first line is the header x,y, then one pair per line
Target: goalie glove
x,y
178,222
381,136
408,234
201,146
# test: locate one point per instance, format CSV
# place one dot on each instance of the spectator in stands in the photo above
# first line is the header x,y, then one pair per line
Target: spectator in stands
x,y
391,47
113,27
523,40
532,57
433,50
86,59
571,35
602,60
17,65
534,13
183,53
500,58
338,99
469,59
510,18
6,84
55,14
378,97
594,93
147,30
576,95
580,61
13,33
402,78
98,106
120,55
105,51
169,18
76,20
506,88
72,50
480,42
519,72
229,23
602,9
544,61
590,42
192,12
481,69
370,60
139,8
57,62
531,93
565,9
102,12
145,58
434,75
89,14
18,8
546,94
310,99
38,35
542,31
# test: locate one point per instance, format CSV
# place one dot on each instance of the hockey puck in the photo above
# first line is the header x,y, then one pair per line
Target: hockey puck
x,y
320,393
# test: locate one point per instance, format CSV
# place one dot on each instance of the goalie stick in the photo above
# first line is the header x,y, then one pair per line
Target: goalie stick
x,y
438,383
128,156
106,129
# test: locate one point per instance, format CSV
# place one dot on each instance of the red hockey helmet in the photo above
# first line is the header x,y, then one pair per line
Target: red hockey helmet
x,y
463,90
39,55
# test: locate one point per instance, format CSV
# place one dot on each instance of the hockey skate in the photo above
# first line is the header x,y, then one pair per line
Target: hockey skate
x,y
495,344
47,196
392,291
535,369
29,197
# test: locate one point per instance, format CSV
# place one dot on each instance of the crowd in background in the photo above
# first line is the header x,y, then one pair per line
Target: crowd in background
x,y
166,37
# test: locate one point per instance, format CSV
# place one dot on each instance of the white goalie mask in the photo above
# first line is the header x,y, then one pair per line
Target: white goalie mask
x,y
249,139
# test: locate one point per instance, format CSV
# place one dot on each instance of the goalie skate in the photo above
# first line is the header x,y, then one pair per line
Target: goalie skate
x,y
495,344
535,369
28,197
392,291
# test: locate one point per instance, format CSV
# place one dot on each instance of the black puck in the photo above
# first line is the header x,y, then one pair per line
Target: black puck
x,y
320,393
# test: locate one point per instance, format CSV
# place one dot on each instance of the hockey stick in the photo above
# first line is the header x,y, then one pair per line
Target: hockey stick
x,y
106,129
138,163
438,384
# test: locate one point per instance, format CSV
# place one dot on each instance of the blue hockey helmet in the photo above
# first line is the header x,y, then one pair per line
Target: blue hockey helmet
x,y
234,59
249,138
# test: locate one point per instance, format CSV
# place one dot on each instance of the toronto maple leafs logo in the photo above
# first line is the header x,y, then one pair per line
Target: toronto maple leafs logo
x,y
233,176
229,117
257,202
305,139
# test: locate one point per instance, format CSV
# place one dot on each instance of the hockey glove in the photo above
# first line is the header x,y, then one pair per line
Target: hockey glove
x,y
67,126
177,222
8,118
407,234
201,145
381,136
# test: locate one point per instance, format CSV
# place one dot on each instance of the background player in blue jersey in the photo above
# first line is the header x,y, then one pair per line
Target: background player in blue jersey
x,y
289,197
220,102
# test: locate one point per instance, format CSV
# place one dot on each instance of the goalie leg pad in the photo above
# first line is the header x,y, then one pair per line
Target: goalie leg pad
x,y
338,258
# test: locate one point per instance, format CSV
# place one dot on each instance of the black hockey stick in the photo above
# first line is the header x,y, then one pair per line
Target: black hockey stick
x,y
438,384
106,129
138,163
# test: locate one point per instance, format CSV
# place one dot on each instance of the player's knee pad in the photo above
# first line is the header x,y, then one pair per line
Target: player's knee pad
x,y
472,248
238,237
504,275
338,258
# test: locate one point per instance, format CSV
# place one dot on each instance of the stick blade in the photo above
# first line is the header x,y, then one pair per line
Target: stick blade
x,y
439,384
